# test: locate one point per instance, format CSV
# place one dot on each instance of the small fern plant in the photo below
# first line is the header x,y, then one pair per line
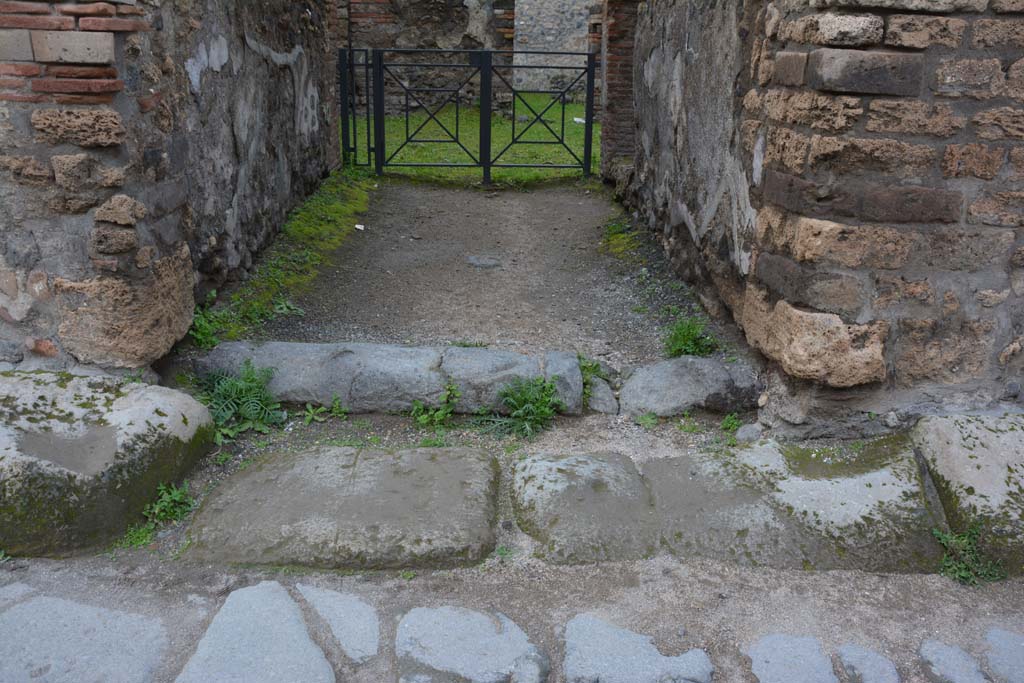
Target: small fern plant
x,y
241,403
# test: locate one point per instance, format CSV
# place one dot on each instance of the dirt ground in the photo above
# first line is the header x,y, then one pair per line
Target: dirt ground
x,y
511,269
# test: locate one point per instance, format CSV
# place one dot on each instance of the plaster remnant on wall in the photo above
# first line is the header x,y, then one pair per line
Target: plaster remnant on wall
x,y
307,95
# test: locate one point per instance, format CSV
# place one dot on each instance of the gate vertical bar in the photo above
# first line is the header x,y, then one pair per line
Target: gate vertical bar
x,y
343,85
486,81
379,148
588,142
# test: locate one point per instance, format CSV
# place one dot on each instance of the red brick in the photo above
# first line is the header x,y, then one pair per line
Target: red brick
x,y
21,97
20,70
83,99
74,85
101,24
150,102
81,72
92,9
12,83
37,22
13,7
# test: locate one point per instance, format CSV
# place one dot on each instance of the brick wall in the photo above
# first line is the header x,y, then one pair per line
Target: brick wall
x,y
146,155
863,220
618,25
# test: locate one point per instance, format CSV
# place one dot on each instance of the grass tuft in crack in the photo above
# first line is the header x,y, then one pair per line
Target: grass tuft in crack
x,y
689,337
172,504
591,370
964,562
532,405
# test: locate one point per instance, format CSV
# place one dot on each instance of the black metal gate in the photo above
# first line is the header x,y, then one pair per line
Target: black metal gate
x,y
432,91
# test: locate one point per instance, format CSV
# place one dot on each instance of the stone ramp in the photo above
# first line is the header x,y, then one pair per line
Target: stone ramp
x,y
326,629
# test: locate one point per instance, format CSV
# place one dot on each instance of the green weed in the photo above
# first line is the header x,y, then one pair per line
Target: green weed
x,y
436,441
964,562
469,345
407,574
688,425
731,423
313,414
137,536
241,403
591,370
647,420
172,504
532,405
338,411
689,337
503,552
440,416
4,557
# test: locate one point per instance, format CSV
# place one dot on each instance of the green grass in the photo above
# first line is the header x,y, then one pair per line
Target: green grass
x,y
689,337
647,421
501,136
311,233
532,406
964,562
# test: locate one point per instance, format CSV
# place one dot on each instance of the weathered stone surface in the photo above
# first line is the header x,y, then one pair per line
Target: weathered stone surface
x,y
814,240
998,33
598,652
674,386
382,378
457,645
60,641
980,79
73,47
82,127
789,68
749,433
915,117
816,346
15,46
13,592
117,322
122,210
874,73
1005,654
353,623
979,161
975,462
602,397
110,239
80,457
357,509
921,32
1004,209
911,5
781,658
584,508
564,370
837,30
821,112
862,665
1003,123
883,503
951,352
258,636
948,664
870,154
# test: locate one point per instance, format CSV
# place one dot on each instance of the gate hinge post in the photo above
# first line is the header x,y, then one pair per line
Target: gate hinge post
x,y
486,82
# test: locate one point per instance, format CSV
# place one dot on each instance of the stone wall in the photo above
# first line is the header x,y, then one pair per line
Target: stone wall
x,y
846,177
553,26
438,24
147,152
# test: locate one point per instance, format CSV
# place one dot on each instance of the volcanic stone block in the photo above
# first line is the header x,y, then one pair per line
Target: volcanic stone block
x,y
353,509
80,457
674,386
870,73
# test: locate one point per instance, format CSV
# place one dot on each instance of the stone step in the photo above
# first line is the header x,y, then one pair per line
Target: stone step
x,y
369,378
263,632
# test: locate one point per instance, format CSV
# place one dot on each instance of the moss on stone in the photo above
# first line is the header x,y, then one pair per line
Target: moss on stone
x,y
845,460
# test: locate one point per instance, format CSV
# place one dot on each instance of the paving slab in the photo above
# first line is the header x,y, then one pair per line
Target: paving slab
x,y
353,621
353,509
585,508
258,636
944,663
978,470
599,652
457,645
50,640
862,665
81,456
14,592
1005,655
673,387
783,658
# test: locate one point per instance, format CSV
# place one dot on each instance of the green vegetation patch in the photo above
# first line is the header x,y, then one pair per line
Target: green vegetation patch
x,y
621,241
688,336
241,403
311,233
532,405
964,562
591,370
440,416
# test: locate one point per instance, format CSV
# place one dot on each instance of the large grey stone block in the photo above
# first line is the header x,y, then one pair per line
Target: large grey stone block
x,y
862,72
352,621
481,374
258,636
598,652
862,665
59,641
80,457
944,663
349,508
585,508
977,467
1006,655
675,386
73,47
456,645
15,45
